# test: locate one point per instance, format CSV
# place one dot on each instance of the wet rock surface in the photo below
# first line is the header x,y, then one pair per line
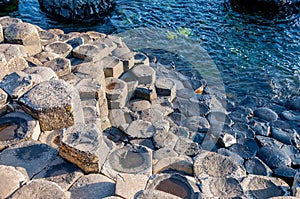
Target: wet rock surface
x,y
86,117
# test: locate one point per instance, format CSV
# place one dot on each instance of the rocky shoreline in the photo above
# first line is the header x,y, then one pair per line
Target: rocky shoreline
x,y
83,116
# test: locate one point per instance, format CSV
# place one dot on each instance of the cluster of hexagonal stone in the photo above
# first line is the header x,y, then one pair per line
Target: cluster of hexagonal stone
x,y
84,116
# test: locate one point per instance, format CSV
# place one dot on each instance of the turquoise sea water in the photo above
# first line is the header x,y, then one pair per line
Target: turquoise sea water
x,y
256,54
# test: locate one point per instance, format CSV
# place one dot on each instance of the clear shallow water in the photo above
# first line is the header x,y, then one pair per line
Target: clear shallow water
x,y
256,55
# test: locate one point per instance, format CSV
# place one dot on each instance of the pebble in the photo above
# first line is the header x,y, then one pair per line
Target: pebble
x,y
274,157
265,114
257,167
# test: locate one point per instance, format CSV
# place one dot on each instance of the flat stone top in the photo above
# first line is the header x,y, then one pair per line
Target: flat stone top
x,y
19,30
53,93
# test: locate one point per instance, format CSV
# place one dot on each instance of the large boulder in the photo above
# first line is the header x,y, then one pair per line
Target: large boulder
x,y
76,10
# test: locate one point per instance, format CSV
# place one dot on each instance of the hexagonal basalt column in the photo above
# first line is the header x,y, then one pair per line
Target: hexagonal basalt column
x,y
133,159
60,48
113,67
116,93
24,34
126,56
166,87
16,127
54,103
144,74
84,146
61,66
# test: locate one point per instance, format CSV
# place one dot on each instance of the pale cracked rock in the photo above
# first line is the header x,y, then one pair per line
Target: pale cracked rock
x,y
165,152
16,127
112,66
90,89
146,92
144,74
222,188
174,184
120,118
60,48
139,105
61,172
116,93
133,159
93,186
163,139
89,52
40,188
255,186
127,185
47,37
140,129
211,164
11,179
54,103
91,112
25,34
126,56
84,146
186,146
45,56
166,87
61,66
197,124
181,164
44,72
7,21
32,156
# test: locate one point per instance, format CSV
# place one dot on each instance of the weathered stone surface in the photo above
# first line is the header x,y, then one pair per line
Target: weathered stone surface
x,y
40,188
112,66
133,159
181,164
140,129
11,179
120,118
46,56
139,105
265,114
54,103
93,186
154,194
44,72
296,104
164,105
225,152
174,184
166,87
116,93
285,173
256,186
33,62
151,115
165,152
127,185
146,92
286,137
33,156
47,37
210,164
186,146
1,34
274,157
126,56
196,123
147,142
60,48
222,188
143,74
7,21
257,167
84,146
24,34
141,58
16,127
163,139
90,89
247,148
291,115
61,172
61,66
115,134
75,41
89,52
79,10
3,99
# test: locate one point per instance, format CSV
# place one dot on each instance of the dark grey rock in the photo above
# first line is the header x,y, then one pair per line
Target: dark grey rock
x,y
268,141
285,173
60,48
291,115
285,137
7,21
140,129
274,157
225,152
296,185
187,147
33,156
265,114
47,37
247,148
61,66
257,167
261,128
76,10
146,92
196,123
296,104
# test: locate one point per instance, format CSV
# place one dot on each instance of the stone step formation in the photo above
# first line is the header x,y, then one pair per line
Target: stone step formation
x,y
83,116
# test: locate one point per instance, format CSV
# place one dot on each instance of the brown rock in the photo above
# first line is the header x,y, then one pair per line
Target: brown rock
x,y
1,34
54,103
7,21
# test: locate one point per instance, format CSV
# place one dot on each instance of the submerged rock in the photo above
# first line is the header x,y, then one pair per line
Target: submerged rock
x,y
76,10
